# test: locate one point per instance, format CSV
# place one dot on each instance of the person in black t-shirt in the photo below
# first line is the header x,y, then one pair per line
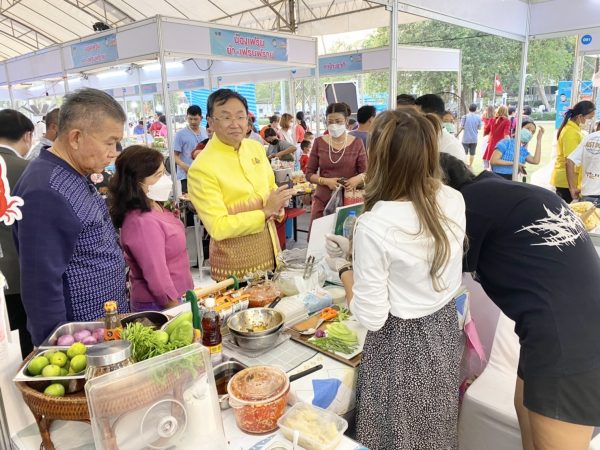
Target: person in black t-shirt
x,y
534,259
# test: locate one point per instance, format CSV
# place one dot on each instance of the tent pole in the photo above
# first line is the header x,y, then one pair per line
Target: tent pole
x,y
394,54
142,106
577,69
65,76
167,110
10,92
292,108
317,118
523,79
459,79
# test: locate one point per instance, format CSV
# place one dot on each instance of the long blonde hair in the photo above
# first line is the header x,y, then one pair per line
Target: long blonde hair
x,y
502,111
286,121
404,165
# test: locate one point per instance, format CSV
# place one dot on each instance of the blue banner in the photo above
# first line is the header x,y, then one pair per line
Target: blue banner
x,y
188,85
95,51
563,98
563,101
335,65
248,45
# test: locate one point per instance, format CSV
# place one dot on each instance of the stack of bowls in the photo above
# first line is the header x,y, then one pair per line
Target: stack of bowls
x,y
256,328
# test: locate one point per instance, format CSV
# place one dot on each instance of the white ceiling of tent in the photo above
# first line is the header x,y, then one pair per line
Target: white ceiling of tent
x,y
29,25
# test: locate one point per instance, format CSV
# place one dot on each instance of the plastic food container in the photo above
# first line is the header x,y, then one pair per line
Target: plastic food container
x,y
262,295
319,429
258,396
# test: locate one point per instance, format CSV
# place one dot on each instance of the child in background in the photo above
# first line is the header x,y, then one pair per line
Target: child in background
x,y
305,146
309,136
448,123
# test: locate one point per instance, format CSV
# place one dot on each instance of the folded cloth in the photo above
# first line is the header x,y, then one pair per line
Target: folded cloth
x,y
325,391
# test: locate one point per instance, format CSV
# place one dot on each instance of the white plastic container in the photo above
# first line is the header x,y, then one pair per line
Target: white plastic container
x,y
319,429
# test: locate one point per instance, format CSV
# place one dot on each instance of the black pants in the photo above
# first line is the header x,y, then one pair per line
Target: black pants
x,y
18,321
565,194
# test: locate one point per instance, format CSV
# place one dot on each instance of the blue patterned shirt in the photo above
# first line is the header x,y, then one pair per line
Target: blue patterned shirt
x,y
507,148
70,258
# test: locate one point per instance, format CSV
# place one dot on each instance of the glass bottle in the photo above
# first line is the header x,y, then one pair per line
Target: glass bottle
x,y
211,331
112,324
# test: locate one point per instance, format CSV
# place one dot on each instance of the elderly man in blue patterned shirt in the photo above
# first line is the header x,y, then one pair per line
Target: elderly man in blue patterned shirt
x,y
69,254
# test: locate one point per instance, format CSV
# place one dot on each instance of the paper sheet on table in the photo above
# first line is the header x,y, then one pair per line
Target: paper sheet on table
x,y
319,228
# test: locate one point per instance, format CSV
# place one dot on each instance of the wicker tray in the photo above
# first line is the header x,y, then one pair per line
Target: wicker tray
x,y
47,409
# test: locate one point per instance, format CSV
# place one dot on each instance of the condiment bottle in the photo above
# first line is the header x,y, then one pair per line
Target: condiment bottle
x,y
112,324
211,331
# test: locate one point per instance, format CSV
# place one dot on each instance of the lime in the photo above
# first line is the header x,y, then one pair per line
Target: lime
x,y
37,364
49,354
55,390
161,336
59,359
76,349
78,363
64,372
51,371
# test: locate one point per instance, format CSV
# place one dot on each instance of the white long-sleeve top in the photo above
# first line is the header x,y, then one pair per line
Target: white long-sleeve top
x,y
392,260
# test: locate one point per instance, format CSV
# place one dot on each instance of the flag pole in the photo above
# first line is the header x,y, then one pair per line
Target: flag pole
x,y
494,91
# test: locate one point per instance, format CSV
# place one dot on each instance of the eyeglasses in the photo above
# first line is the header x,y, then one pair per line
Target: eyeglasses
x,y
227,121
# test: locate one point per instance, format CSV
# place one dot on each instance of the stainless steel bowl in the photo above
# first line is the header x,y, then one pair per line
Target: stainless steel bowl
x,y
223,373
257,342
243,322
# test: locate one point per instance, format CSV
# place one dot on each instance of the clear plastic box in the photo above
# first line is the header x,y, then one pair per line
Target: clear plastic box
x,y
169,401
319,429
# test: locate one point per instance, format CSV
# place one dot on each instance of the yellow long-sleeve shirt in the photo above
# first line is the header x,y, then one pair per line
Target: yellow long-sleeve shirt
x,y
569,139
229,188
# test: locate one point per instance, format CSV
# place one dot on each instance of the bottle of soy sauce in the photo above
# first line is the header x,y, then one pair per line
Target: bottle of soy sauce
x,y
211,331
112,324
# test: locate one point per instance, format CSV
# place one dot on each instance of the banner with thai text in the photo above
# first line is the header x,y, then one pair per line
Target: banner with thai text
x,y
248,45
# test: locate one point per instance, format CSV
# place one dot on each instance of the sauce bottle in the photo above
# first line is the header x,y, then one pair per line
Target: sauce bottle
x,y
112,324
211,331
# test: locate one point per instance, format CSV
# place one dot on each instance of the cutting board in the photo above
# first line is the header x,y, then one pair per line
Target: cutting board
x,y
353,359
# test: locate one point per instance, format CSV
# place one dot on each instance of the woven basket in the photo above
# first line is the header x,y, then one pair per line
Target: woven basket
x,y
70,407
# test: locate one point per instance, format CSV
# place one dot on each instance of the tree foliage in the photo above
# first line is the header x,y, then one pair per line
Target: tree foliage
x,y
483,56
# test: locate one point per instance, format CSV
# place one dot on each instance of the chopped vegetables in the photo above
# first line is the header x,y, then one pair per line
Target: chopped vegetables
x,y
328,313
343,314
334,345
339,338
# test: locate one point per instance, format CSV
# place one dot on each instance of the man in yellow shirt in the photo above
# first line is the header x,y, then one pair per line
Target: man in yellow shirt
x,y
232,186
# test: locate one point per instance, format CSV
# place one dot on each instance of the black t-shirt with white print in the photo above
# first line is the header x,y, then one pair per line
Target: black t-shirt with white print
x,y
535,260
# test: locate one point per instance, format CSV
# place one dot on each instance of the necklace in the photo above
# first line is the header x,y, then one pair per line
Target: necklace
x,y
342,150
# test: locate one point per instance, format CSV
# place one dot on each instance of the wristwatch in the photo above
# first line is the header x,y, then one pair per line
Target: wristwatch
x,y
344,269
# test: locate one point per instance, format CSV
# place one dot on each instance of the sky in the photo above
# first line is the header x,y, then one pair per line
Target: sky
x,y
325,42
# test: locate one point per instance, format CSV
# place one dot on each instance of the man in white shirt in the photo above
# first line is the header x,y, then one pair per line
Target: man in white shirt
x,y
49,136
587,156
433,104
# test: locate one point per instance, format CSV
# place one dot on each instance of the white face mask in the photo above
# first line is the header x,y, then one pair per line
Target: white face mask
x,y
161,190
336,130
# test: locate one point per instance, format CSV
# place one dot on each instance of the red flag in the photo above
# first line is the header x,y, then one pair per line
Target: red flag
x,y
498,85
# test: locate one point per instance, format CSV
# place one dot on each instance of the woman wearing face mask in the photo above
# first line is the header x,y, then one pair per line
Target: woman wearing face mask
x,y
569,137
153,238
334,156
448,123
504,153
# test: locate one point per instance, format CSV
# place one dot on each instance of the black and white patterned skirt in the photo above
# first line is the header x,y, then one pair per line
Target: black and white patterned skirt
x,y
407,392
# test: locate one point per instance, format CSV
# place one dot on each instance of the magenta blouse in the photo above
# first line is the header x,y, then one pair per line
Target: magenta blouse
x,y
155,251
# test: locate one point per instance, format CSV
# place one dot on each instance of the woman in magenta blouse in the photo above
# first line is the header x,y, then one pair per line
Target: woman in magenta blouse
x,y
152,238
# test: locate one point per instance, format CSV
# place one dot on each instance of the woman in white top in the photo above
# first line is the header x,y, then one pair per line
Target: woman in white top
x,y
407,267
287,132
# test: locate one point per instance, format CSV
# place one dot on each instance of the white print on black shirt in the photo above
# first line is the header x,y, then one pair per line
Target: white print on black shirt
x,y
558,229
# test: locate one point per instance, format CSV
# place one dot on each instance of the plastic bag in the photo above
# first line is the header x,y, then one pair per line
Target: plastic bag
x,y
336,200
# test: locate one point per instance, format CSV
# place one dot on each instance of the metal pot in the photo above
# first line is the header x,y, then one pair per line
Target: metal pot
x,y
242,322
223,373
257,342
